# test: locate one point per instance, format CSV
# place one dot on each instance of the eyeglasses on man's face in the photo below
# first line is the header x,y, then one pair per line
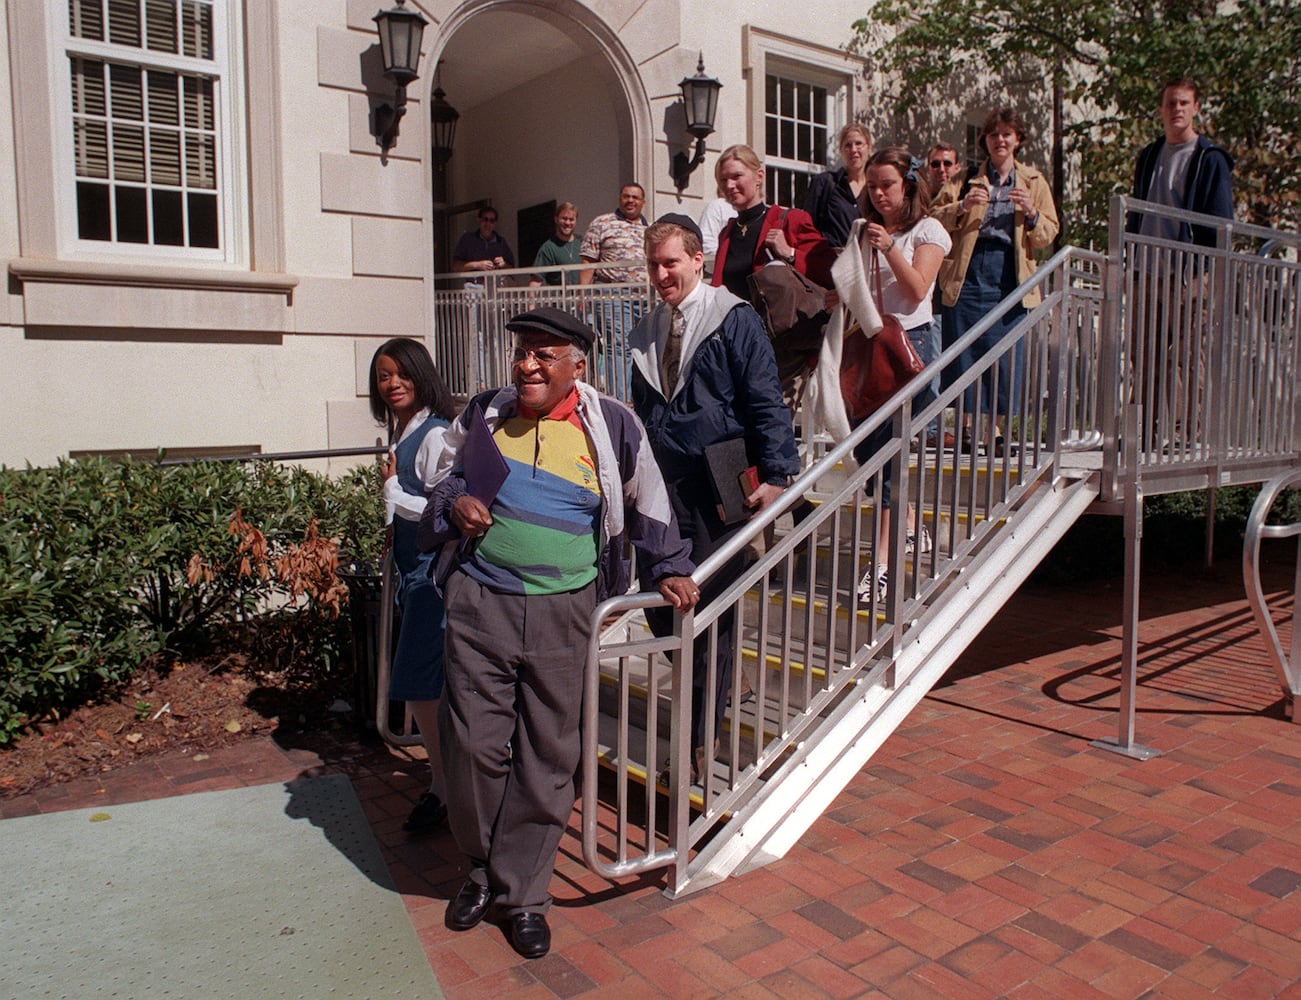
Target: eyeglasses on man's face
x,y
547,357
936,164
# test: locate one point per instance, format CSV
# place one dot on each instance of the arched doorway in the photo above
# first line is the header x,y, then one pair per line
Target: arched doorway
x,y
552,108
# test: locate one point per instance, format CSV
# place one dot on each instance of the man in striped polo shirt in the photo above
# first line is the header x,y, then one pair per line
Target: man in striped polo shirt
x,y
543,549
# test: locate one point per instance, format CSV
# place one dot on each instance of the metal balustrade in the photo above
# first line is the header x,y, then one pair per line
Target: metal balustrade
x,y
1156,367
472,345
806,640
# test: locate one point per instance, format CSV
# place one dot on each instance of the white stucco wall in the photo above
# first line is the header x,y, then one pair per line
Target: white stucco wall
x,y
340,235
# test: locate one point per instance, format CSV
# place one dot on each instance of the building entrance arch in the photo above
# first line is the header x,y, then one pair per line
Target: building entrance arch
x,y
552,108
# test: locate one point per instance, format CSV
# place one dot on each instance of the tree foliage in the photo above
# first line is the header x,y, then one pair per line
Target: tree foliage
x,y
1110,61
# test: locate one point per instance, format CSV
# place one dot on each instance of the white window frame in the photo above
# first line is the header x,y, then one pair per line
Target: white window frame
x,y
769,54
232,249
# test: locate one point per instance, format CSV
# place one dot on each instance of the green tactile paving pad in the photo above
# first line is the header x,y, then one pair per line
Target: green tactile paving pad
x,y
275,891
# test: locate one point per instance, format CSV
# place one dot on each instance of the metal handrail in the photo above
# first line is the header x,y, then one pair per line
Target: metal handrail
x,y
384,662
279,456
471,345
1287,667
1075,346
865,653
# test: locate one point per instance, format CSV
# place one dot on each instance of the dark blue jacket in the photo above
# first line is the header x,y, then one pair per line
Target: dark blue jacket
x,y
831,203
1206,188
729,389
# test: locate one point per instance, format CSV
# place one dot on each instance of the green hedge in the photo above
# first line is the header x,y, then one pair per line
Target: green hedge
x,y
106,563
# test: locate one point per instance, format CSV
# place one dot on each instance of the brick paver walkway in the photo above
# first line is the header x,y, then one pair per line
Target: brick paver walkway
x,y
987,851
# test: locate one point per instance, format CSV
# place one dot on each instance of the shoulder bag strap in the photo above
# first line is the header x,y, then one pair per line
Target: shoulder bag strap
x,y
876,280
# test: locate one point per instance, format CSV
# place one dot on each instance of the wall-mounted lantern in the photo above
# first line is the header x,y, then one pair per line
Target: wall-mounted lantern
x,y
700,105
400,33
442,124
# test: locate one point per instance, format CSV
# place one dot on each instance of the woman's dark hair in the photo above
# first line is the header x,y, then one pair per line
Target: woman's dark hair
x,y
917,193
414,361
1002,116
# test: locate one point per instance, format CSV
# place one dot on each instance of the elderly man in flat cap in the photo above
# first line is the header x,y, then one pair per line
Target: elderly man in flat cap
x,y
538,544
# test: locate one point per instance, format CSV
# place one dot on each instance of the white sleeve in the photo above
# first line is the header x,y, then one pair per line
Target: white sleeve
x,y
409,506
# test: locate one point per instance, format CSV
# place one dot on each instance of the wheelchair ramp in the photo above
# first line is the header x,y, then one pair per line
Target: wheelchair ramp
x,y
819,768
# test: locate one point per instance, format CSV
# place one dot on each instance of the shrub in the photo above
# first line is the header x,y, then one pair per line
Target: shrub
x,y
103,564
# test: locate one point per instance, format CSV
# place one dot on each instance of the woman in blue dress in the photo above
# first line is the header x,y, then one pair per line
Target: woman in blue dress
x,y
410,398
998,216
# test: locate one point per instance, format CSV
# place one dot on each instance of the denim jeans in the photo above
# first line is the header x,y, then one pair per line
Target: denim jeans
x,y
614,322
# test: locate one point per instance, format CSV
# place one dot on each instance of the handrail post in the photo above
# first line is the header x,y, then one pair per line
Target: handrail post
x,y
1124,741
384,660
680,748
1287,667
1112,376
901,428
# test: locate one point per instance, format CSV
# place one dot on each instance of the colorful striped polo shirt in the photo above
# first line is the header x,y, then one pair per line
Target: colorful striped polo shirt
x,y
543,538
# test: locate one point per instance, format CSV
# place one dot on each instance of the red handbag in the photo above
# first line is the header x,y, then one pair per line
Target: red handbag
x,y
872,369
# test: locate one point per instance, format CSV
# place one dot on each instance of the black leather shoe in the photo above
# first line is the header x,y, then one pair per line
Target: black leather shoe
x,y
468,905
428,815
530,935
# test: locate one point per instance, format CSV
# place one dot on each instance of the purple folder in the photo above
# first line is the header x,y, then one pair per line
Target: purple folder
x,y
482,465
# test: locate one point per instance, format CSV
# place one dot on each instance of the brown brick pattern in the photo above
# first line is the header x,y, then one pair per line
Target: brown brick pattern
x,y
987,851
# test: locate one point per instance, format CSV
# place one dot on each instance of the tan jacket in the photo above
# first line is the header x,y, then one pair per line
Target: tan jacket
x,y
966,228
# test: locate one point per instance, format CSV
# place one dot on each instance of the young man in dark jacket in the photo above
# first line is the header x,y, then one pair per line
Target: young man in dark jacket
x,y
704,372
1183,169
1168,345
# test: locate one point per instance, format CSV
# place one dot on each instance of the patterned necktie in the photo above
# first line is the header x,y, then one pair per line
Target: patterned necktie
x,y
672,355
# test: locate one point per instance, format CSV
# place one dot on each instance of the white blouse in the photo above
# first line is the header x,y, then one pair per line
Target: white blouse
x,y
910,315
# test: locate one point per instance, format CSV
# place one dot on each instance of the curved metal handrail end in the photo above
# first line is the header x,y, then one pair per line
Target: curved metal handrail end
x,y
1288,670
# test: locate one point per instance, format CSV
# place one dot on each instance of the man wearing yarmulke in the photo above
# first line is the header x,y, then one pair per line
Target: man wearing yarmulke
x,y
704,373
541,481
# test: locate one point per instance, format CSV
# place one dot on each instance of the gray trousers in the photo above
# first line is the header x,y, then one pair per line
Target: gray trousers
x,y
508,729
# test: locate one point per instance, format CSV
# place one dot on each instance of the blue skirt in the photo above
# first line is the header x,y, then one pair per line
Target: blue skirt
x,y
991,277
417,672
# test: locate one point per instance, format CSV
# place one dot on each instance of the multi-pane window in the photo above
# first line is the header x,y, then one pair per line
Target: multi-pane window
x,y
798,132
145,83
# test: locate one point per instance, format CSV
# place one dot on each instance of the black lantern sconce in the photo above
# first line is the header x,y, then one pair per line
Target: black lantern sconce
x,y
442,124
400,32
700,105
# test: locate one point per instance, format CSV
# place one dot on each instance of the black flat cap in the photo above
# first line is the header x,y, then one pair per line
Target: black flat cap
x,y
684,221
557,323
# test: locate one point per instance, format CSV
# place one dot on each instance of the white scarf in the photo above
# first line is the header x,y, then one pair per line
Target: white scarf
x,y
857,305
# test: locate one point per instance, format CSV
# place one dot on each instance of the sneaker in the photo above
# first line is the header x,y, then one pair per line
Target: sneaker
x,y
867,586
911,545
428,815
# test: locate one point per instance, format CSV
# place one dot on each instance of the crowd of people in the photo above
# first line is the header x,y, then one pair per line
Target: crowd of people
x,y
512,519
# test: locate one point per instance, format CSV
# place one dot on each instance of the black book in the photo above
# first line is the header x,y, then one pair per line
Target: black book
x,y
733,478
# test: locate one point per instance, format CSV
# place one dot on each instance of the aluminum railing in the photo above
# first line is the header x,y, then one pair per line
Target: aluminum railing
x,y
472,345
1287,663
1083,370
1203,350
804,636
1102,365
1206,352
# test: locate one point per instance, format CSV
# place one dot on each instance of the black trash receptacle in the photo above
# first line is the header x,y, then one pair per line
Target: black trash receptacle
x,y
365,584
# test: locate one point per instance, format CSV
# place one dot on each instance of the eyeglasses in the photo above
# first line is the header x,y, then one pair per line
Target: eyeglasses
x,y
546,358
936,164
